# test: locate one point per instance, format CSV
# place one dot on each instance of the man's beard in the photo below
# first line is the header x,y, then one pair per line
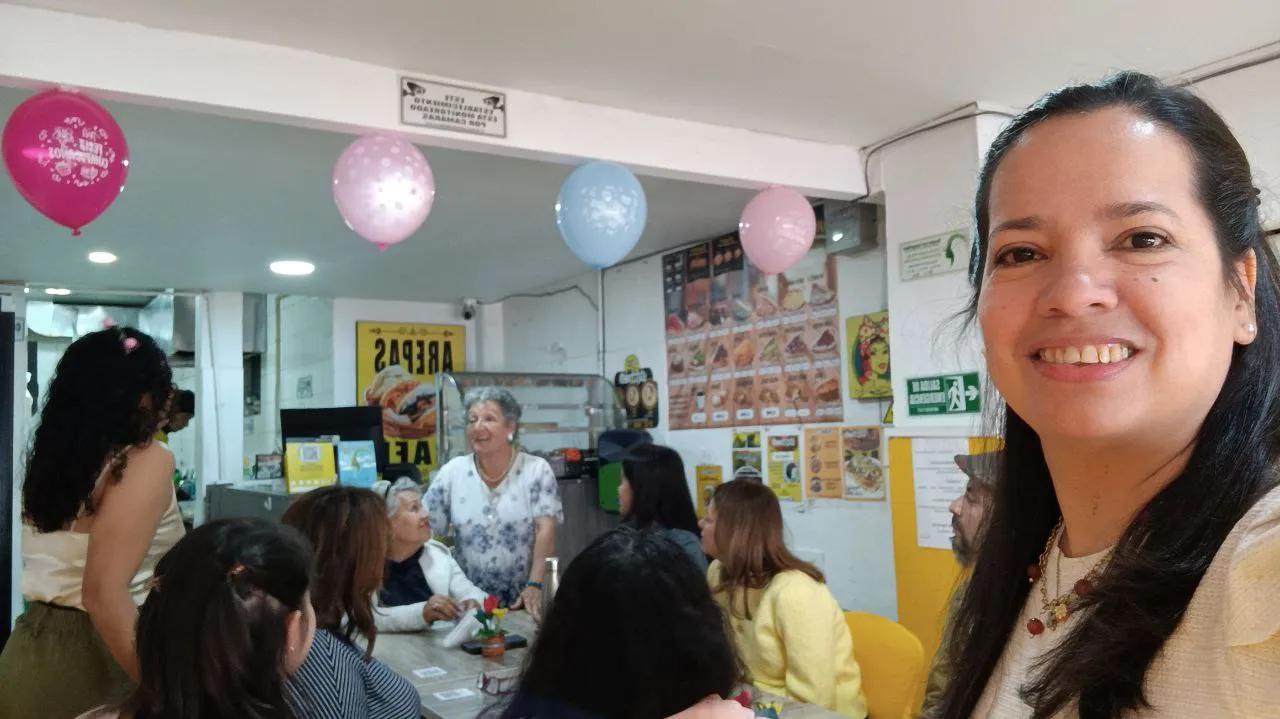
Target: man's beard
x,y
960,546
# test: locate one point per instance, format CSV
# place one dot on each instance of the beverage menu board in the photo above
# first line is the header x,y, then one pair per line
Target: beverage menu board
x,y
744,348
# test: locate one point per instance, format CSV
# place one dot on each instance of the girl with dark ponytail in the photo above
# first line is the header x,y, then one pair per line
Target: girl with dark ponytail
x,y
229,618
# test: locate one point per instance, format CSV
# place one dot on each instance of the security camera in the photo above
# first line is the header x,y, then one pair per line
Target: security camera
x,y
469,308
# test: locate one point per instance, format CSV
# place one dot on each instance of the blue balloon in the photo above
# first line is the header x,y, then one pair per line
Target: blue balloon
x,y
601,211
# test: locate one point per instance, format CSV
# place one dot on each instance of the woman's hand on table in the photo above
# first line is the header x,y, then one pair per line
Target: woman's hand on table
x,y
440,608
530,600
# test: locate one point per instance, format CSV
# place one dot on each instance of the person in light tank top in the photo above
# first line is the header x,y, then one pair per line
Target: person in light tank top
x,y
98,512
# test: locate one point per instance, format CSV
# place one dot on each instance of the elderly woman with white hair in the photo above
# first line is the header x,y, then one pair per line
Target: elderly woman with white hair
x,y
500,504
422,583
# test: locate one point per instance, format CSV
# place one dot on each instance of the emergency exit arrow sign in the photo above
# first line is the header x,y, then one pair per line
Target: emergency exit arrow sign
x,y
944,394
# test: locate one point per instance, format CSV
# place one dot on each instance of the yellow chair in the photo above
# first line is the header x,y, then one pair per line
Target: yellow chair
x,y
893,665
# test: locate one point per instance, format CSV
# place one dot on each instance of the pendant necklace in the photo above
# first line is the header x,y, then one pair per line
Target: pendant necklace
x,y
1060,607
495,491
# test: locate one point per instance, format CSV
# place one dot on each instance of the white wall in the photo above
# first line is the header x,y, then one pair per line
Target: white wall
x,y
1248,102
557,333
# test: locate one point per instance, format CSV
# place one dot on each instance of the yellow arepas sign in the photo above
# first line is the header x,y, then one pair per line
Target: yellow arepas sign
x,y
396,368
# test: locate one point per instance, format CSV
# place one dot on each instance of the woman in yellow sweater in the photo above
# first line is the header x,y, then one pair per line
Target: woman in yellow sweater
x,y
787,625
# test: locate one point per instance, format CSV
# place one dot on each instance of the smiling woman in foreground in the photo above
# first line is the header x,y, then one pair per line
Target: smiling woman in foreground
x,y
1131,321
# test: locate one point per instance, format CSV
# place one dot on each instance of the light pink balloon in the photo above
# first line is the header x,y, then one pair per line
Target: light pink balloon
x,y
384,188
777,229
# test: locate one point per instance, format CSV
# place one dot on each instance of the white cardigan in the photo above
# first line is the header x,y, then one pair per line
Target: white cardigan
x,y
444,577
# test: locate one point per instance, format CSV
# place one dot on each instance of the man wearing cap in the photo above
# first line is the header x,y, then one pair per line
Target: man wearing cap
x,y
968,512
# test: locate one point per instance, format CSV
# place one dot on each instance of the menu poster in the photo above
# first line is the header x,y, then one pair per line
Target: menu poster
x,y
706,478
396,365
748,460
823,466
745,348
784,467
863,468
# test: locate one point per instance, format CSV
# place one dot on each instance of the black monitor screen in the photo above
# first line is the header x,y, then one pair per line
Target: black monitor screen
x,y
348,423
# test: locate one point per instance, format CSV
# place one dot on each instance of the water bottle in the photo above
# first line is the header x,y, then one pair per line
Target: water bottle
x,y
550,582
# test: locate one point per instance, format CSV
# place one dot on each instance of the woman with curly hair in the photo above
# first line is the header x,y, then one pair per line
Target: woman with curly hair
x,y
98,510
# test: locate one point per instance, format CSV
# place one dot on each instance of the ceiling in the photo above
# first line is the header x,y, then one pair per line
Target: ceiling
x,y
212,201
834,70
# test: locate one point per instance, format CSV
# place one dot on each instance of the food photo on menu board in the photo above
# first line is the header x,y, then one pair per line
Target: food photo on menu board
x,y
744,348
396,366
863,469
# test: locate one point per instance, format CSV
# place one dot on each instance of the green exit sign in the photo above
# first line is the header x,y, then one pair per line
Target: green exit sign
x,y
944,394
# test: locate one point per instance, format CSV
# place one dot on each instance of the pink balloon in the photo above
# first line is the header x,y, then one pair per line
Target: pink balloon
x,y
384,188
66,155
777,229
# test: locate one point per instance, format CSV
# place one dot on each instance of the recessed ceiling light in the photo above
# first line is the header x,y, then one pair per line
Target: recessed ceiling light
x,y
102,258
293,268
57,291
26,290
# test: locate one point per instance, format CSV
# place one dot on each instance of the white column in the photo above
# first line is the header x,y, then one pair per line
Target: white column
x,y
928,182
220,401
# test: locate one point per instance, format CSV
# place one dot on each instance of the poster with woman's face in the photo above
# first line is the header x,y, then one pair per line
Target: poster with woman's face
x,y
869,356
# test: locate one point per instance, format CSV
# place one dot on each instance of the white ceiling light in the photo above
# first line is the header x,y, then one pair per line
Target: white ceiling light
x,y
102,258
292,268
57,291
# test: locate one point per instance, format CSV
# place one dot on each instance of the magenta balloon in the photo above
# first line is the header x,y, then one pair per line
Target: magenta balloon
x,y
777,229
66,155
384,188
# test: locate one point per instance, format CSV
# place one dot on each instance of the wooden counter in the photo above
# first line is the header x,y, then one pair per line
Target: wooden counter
x,y
447,679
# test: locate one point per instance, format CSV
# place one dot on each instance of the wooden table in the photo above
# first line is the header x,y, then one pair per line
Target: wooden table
x,y
447,678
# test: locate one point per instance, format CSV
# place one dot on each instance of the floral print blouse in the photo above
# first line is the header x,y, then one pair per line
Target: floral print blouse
x,y
493,530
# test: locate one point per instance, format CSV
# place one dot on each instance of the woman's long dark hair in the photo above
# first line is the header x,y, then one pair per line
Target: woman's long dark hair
x,y
659,490
349,531
635,591
1159,561
93,412
213,633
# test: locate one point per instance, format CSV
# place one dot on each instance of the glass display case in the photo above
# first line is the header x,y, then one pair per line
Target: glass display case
x,y
559,411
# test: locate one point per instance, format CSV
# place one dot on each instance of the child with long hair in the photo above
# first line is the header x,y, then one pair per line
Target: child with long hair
x,y
674,659
228,619
655,494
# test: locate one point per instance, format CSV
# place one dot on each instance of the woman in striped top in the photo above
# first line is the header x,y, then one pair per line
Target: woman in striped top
x,y
349,531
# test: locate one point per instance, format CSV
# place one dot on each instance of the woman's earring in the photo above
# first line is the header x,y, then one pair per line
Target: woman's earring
x,y
1251,328
511,438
